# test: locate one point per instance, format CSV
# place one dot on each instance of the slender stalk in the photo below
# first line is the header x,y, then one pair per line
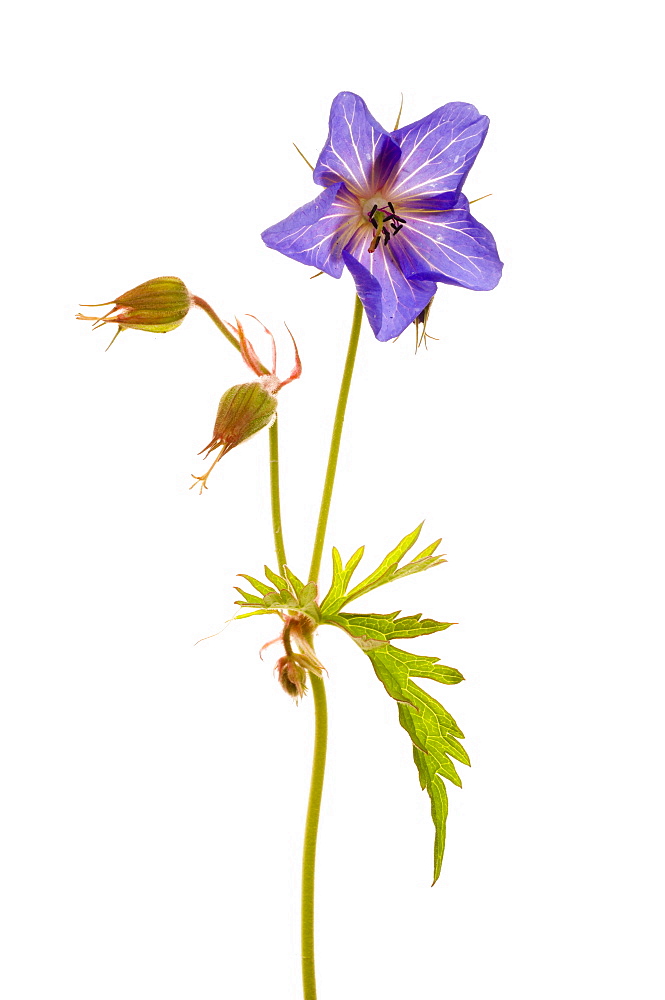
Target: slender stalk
x,y
318,686
335,441
202,304
275,506
311,833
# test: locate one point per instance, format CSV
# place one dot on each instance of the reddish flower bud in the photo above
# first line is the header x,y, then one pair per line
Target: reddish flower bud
x,y
158,305
243,410
293,667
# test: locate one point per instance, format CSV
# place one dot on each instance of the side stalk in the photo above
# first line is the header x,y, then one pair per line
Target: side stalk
x,y
317,684
275,507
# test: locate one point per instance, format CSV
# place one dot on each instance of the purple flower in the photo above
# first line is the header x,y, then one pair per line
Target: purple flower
x,y
393,212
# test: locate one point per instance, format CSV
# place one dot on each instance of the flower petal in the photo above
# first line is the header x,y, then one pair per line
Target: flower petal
x,y
391,300
358,150
437,153
449,246
314,234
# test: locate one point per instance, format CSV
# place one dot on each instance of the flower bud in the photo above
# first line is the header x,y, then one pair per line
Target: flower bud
x,y
158,305
293,667
243,410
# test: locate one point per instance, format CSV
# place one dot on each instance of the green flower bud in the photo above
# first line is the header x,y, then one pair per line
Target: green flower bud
x,y
243,410
157,306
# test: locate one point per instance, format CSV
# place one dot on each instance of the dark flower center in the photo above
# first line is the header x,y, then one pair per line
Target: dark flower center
x,y
386,223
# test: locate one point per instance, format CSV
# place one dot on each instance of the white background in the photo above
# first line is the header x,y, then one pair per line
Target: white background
x,y
153,790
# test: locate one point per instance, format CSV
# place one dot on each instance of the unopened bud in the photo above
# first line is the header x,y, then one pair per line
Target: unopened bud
x,y
292,669
291,675
243,410
158,305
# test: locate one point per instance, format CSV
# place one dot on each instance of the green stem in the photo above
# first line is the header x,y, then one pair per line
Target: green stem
x,y
277,532
311,833
275,506
318,686
202,304
335,442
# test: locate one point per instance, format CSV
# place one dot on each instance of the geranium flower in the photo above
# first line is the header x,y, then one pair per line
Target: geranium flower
x,y
392,211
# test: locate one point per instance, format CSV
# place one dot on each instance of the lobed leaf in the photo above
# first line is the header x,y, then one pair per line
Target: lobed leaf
x,y
384,572
291,596
387,571
392,627
433,731
277,581
341,578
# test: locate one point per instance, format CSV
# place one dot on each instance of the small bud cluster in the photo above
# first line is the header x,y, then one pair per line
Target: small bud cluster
x,y
160,305
293,667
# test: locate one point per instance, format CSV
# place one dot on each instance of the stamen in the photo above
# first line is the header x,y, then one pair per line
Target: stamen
x,y
383,216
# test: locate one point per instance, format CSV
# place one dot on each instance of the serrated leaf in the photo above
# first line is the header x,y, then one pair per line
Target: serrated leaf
x,y
277,581
439,806
428,551
392,627
387,571
248,598
438,672
258,585
387,567
296,584
434,733
341,578
417,566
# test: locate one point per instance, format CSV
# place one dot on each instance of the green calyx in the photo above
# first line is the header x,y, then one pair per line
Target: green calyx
x,y
158,305
243,411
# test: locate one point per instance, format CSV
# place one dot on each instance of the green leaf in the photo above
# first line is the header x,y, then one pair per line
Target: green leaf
x,y
387,567
307,595
439,805
296,584
392,627
433,731
341,577
291,597
277,581
387,571
260,587
251,599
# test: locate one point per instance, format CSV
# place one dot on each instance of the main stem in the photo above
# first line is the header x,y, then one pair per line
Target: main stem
x,y
318,687
275,507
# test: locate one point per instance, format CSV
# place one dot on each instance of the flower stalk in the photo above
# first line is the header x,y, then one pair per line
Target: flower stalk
x,y
335,442
275,504
317,683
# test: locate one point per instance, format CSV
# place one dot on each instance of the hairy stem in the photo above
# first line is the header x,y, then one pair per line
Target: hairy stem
x,y
318,686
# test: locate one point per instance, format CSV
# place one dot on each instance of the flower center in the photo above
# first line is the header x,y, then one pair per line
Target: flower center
x,y
384,220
